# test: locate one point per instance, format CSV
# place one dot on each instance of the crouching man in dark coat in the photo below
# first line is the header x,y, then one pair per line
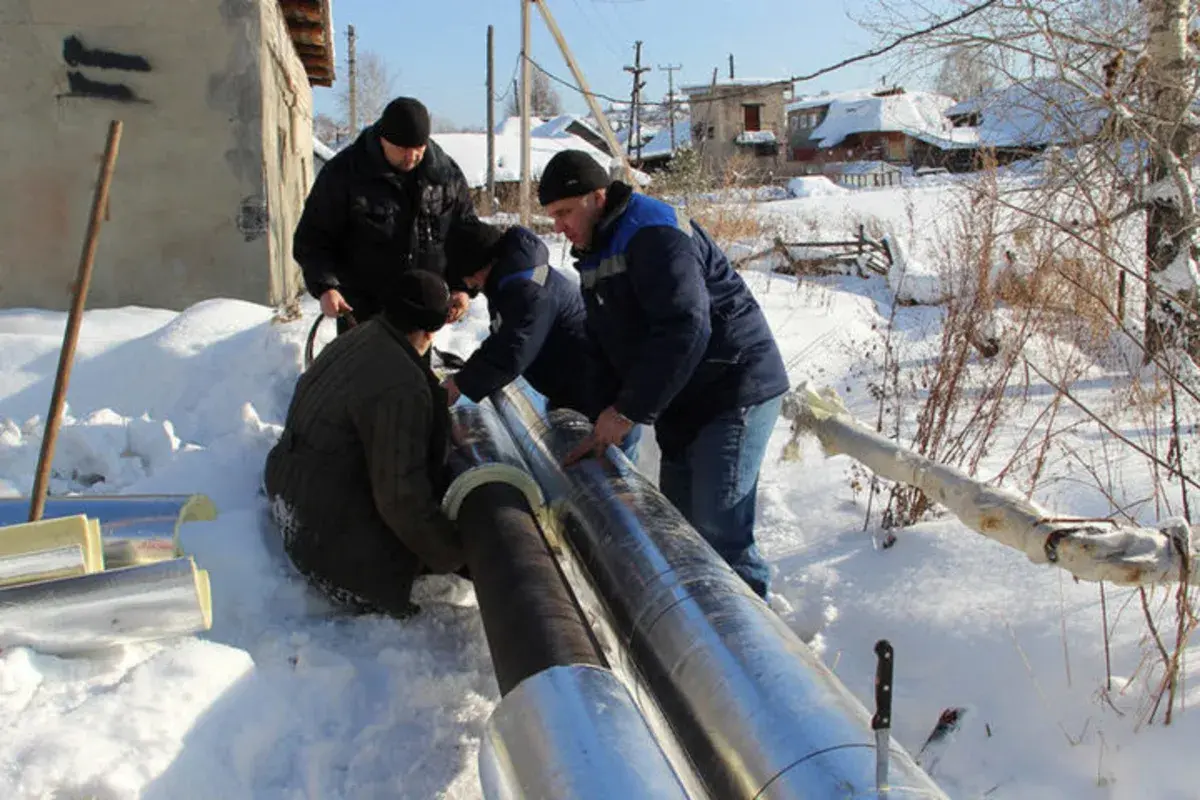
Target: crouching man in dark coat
x,y
356,479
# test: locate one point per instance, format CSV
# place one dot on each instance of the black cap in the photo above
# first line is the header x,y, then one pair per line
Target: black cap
x,y
418,301
571,173
405,123
470,245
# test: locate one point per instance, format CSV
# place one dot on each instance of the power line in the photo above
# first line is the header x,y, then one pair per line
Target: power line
x,y
511,78
869,54
573,87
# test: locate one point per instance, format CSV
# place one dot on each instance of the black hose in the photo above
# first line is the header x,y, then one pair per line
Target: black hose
x,y
529,615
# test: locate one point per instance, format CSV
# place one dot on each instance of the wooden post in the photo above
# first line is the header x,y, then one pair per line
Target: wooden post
x,y
66,355
670,68
491,123
352,77
601,120
526,204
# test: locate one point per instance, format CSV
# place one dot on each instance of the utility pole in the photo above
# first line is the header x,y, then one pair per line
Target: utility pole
x,y
670,68
526,205
635,122
731,66
353,78
491,123
601,120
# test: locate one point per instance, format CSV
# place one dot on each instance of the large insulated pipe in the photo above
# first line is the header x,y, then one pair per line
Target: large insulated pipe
x,y
759,715
565,727
572,732
135,529
107,609
529,617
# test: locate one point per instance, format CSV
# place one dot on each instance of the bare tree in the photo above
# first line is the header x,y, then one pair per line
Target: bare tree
x,y
1109,85
326,128
544,99
375,86
964,73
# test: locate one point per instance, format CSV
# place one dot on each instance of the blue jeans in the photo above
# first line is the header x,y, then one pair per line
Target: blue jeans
x,y
714,483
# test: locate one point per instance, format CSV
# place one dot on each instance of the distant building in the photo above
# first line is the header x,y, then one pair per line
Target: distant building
x,y
739,118
215,158
889,127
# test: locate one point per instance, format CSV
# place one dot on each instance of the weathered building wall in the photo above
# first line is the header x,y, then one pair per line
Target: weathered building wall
x,y
287,148
187,214
719,117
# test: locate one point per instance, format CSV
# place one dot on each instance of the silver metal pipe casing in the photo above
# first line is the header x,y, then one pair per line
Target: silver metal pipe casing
x,y
482,451
758,713
572,732
135,529
106,609
40,565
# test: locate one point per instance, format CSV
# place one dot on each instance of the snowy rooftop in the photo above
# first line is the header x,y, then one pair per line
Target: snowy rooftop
x,y
558,126
322,150
1039,112
697,88
513,124
918,114
660,145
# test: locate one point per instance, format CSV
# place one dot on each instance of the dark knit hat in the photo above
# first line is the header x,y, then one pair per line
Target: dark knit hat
x,y
405,122
571,173
470,245
418,301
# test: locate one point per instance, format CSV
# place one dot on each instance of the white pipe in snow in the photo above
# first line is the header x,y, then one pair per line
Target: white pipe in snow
x,y
1092,549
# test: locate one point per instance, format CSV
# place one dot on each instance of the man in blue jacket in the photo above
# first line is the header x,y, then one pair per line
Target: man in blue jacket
x,y
694,352
537,324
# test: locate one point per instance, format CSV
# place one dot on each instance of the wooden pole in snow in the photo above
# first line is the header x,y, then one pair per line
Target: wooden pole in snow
x,y
601,119
491,122
66,355
526,203
1090,549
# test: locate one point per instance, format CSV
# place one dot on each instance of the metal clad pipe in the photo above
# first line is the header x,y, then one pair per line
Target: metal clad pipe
x,y
42,565
573,732
135,529
759,714
107,609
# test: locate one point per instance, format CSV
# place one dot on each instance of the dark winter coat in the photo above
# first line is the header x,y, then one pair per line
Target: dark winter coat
x,y
538,331
364,222
356,479
675,320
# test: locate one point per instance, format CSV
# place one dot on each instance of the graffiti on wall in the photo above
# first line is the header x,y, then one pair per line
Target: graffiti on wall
x,y
76,55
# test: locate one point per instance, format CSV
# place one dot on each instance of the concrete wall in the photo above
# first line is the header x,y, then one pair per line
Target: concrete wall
x,y
722,112
287,148
188,209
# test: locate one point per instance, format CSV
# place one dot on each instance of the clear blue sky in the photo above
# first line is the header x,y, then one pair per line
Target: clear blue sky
x,y
437,50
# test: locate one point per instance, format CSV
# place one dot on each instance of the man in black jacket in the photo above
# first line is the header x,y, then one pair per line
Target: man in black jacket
x,y
537,325
379,208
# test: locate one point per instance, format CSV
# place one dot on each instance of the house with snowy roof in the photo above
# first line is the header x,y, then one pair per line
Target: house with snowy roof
x,y
215,158
742,117
890,126
1023,119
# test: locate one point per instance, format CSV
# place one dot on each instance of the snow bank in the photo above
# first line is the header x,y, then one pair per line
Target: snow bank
x,y
813,186
911,281
281,698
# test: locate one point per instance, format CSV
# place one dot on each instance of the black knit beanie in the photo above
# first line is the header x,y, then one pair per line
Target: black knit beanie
x,y
571,173
470,245
405,122
418,301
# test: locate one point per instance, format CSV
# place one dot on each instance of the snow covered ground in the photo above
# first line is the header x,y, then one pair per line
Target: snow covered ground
x,y
282,700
